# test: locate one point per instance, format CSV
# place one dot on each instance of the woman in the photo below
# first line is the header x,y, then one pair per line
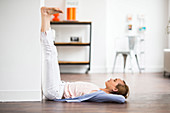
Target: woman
x,y
53,87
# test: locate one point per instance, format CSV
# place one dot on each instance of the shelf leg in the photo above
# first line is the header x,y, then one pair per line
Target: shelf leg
x,y
88,69
164,74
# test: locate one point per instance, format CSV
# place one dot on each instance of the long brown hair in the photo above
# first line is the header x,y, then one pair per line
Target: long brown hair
x,y
122,90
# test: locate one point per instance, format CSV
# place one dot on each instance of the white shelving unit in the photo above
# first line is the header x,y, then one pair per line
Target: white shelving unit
x,y
73,50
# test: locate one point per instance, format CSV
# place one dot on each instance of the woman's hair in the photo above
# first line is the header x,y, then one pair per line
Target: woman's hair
x,y
122,90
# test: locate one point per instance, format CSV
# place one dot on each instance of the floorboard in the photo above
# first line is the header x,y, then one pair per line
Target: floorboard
x,y
149,93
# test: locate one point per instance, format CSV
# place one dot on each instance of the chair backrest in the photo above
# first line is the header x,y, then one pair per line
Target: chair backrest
x,y
126,43
132,42
121,44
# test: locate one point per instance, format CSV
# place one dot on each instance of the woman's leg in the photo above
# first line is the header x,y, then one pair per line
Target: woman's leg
x,y
51,82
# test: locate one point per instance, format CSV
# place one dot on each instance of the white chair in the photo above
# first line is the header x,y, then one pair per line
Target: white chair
x,y
132,40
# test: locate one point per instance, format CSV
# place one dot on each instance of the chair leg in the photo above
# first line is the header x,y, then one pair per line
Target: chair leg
x,y
130,54
138,63
114,62
124,57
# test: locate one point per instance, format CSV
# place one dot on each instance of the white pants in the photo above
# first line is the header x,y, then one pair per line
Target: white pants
x,y
52,85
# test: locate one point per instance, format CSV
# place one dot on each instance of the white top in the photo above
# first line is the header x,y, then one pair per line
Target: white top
x,y
75,89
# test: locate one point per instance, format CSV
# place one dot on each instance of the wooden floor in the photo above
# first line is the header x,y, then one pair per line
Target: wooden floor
x,y
150,93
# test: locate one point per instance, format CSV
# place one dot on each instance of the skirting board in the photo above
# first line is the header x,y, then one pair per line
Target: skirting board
x,y
98,69
8,96
73,69
151,69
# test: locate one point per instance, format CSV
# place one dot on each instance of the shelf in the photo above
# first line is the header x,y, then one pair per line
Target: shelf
x,y
71,44
69,22
74,62
70,25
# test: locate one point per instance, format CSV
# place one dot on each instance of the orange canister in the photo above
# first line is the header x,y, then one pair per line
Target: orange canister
x,y
71,13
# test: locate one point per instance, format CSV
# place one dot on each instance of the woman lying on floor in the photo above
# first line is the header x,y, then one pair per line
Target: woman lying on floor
x,y
54,89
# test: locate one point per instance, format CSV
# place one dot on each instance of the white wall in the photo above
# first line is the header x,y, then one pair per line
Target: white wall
x,y
155,12
20,60
109,23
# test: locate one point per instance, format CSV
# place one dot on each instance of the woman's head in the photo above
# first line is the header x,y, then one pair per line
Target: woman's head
x,y
117,86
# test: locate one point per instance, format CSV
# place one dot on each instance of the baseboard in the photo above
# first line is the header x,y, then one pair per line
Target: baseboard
x,y
118,69
148,69
98,69
81,69
154,69
8,96
72,70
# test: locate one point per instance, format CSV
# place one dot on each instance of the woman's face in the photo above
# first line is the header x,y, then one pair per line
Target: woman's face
x,y
112,83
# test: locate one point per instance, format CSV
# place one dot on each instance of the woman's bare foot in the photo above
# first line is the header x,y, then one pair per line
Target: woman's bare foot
x,y
46,13
50,10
